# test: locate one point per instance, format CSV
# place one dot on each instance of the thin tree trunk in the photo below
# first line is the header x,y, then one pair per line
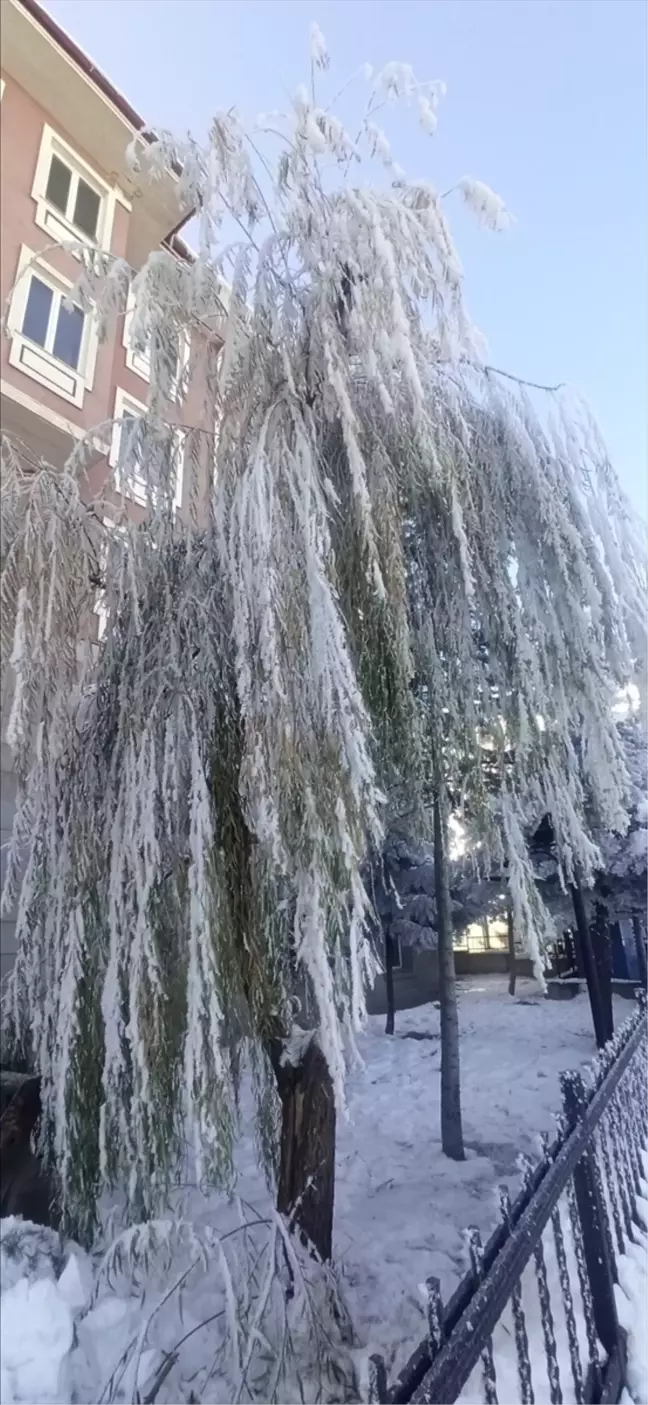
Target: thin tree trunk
x,y
603,959
512,968
640,946
451,1128
306,1182
589,967
389,984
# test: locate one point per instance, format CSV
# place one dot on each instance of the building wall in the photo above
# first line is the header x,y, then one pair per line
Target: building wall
x,y
23,123
32,412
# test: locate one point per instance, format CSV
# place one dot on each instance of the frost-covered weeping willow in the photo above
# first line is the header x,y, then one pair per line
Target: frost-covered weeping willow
x,y
385,552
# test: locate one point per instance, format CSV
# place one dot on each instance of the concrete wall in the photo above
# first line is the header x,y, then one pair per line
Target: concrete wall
x,y
421,984
415,987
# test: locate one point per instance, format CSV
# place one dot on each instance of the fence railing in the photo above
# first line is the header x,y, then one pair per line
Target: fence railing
x,y
536,1317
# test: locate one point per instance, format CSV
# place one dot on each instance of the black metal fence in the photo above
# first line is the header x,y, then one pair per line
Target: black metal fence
x,y
536,1318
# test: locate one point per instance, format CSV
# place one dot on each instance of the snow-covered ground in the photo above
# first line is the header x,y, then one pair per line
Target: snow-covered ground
x,y
401,1208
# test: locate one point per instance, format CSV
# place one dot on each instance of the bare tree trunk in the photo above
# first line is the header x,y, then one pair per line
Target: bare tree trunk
x,y
389,984
640,946
589,966
512,968
451,1128
306,1183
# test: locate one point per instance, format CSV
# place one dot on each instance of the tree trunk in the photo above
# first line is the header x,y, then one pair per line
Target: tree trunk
x,y
512,969
389,983
306,1184
603,959
451,1128
589,967
640,946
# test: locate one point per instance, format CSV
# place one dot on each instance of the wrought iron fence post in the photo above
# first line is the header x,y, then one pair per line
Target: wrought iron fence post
x,y
377,1392
599,1255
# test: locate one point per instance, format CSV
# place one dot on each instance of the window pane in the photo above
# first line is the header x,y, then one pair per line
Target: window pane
x,y
86,209
170,351
37,311
130,443
58,185
69,330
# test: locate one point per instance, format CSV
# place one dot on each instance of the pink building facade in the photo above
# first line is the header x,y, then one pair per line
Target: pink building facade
x,y
64,176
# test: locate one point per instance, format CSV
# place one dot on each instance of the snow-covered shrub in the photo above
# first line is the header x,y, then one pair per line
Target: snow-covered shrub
x,y
177,1311
28,1251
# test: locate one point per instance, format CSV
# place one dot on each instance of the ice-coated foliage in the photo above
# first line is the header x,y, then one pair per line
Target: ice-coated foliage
x,y
385,549
625,857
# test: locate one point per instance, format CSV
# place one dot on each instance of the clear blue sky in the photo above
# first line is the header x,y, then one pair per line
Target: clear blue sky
x,y
546,102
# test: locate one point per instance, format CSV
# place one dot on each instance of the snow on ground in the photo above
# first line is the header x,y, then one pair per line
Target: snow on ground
x,y
401,1205
401,1208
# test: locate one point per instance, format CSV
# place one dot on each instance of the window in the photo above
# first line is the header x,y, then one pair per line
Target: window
x,y
172,350
100,606
51,325
75,199
72,201
139,454
52,341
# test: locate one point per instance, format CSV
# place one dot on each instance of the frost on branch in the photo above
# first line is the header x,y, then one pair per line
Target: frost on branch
x,y
489,207
383,550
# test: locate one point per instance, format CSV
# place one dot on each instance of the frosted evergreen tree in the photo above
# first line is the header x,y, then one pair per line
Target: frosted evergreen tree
x,y
286,660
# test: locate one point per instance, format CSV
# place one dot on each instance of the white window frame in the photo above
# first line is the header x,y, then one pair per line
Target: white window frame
x,y
60,226
36,361
136,488
2,88
139,362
